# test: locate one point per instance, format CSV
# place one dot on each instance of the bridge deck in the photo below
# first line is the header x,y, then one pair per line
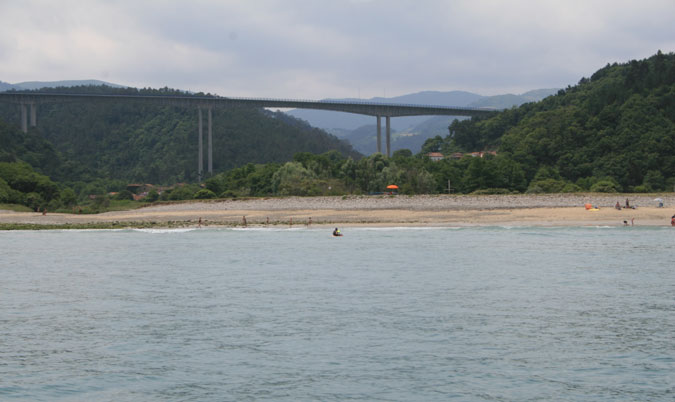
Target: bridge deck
x,y
366,108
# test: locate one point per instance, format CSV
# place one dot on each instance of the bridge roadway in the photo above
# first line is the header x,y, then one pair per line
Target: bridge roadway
x,y
378,110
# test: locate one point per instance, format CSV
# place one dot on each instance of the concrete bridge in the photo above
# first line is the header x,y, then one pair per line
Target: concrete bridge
x,y
28,102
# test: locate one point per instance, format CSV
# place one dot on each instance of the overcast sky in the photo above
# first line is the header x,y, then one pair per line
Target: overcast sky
x,y
313,49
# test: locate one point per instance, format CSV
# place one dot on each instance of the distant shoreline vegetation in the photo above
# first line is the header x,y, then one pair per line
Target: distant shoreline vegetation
x,y
612,132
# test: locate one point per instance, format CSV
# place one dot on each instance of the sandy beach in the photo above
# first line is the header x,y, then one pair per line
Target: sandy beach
x,y
400,210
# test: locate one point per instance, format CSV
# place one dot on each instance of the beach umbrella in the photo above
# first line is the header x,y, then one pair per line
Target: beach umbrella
x,y
392,187
658,200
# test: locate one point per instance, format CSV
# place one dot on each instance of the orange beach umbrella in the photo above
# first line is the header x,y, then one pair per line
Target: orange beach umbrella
x,y
392,187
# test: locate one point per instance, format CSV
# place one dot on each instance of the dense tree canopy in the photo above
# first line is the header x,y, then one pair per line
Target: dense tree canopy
x,y
159,144
619,124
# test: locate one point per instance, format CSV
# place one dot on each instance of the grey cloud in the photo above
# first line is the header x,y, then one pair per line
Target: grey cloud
x,y
314,49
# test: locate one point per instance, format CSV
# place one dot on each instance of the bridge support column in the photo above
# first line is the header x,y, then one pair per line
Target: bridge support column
x,y
24,118
33,115
379,134
200,163
210,142
388,136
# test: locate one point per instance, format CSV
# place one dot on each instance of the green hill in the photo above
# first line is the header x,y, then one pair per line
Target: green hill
x,y
617,126
153,144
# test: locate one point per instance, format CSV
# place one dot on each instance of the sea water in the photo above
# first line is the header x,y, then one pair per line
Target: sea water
x,y
400,314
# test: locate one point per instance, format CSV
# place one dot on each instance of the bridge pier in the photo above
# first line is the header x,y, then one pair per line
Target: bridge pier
x,y
33,115
200,163
379,134
210,141
24,118
388,136
25,115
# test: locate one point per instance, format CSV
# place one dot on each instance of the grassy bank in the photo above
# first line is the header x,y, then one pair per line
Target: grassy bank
x,y
100,225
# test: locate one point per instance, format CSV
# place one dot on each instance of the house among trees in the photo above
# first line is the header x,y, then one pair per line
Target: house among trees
x,y
435,156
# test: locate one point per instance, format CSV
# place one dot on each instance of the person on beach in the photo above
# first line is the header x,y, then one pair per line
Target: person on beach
x,y
336,232
625,223
672,221
618,206
243,220
627,204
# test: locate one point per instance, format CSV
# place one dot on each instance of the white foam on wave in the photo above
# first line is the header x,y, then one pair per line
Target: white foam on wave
x,y
160,231
402,228
269,229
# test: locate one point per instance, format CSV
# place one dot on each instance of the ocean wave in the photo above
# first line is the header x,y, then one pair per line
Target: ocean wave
x,y
161,231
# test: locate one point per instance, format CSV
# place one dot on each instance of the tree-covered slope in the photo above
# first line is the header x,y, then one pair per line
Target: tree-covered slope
x,y
159,144
618,124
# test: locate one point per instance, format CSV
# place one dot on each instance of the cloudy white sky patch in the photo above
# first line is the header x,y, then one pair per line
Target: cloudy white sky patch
x,y
316,49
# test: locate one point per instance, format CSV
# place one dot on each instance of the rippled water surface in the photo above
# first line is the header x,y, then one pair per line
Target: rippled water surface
x,y
379,314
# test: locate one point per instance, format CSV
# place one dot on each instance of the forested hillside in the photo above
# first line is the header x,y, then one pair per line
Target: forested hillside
x,y
617,126
154,144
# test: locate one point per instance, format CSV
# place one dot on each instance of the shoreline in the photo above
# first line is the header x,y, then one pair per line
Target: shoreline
x,y
422,210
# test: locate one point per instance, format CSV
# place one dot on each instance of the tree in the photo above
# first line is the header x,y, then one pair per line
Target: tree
x,y
292,179
152,196
124,195
204,194
654,181
402,154
68,197
432,144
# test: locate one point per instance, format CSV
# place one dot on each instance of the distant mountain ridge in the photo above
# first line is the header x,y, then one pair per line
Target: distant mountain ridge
x,y
410,132
32,85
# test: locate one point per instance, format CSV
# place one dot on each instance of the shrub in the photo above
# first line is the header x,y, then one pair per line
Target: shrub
x,y
181,193
204,194
33,200
293,179
100,202
571,188
605,186
489,191
68,197
654,180
124,195
5,191
54,204
152,196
